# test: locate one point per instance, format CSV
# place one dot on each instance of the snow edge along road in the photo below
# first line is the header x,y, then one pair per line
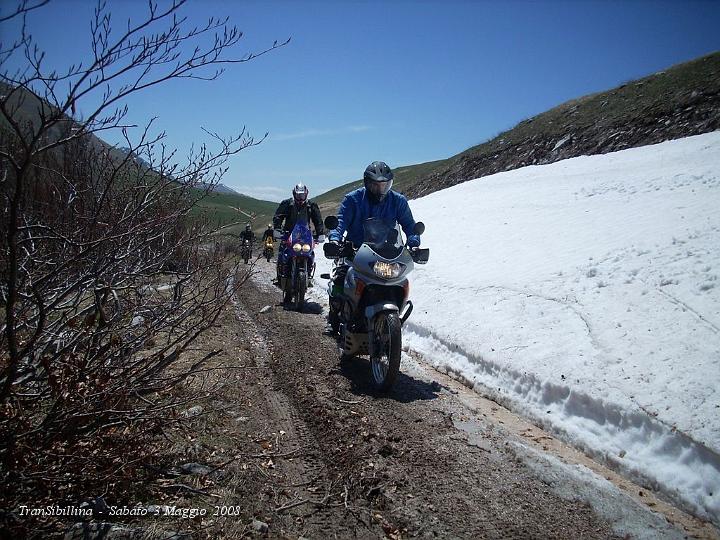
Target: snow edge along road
x,y
631,441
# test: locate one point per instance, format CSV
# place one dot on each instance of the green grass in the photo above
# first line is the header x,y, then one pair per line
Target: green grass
x,y
222,209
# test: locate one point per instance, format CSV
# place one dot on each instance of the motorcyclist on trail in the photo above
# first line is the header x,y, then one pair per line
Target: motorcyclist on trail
x,y
247,234
299,207
375,199
268,233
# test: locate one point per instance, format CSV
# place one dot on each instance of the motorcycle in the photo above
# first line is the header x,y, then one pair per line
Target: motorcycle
x,y
300,263
245,250
368,309
268,251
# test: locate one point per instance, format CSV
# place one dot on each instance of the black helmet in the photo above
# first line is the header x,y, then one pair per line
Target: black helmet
x,y
247,226
300,193
378,179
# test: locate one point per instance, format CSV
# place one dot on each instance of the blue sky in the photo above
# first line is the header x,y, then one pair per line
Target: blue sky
x,y
404,82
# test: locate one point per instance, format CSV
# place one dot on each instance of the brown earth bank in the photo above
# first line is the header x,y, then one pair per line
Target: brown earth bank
x,y
290,442
679,102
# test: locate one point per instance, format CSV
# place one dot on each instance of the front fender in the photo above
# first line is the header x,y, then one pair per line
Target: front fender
x,y
373,310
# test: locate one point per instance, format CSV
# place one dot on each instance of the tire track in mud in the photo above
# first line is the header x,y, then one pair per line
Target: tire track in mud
x,y
304,468
297,439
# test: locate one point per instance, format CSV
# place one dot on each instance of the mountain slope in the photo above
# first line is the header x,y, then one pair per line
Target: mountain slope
x,y
224,208
680,101
223,205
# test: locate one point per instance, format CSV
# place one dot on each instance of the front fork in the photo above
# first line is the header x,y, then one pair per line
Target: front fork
x,y
296,263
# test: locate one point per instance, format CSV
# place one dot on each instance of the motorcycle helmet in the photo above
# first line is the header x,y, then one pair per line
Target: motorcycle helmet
x,y
300,193
247,226
378,179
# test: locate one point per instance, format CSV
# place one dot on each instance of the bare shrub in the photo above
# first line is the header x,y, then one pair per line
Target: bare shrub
x,y
106,277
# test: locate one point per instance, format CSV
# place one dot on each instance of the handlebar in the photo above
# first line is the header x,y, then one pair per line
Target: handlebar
x,y
336,250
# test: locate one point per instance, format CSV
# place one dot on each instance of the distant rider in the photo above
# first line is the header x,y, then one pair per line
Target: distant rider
x,y
247,234
375,200
299,207
268,233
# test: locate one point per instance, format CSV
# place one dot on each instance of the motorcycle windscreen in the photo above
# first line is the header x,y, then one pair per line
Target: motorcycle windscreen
x,y
383,237
301,234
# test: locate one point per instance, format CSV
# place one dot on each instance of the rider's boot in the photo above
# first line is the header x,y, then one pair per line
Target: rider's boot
x,y
276,281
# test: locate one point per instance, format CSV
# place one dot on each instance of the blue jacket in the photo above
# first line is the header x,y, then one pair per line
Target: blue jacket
x,y
356,208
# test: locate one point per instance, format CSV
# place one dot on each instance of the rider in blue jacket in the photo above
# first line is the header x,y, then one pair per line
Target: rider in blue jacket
x,y
374,200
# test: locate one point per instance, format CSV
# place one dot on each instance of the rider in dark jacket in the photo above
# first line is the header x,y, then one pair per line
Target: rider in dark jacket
x,y
247,234
298,206
288,213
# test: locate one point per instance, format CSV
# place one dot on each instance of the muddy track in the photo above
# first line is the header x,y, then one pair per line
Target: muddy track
x,y
395,465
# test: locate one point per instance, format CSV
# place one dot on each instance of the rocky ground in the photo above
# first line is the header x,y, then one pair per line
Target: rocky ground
x,y
289,442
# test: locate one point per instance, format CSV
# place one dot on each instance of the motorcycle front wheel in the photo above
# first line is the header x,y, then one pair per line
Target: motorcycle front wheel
x,y
287,295
387,346
334,320
300,291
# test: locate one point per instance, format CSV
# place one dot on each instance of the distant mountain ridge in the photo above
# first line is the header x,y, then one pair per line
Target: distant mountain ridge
x,y
222,205
222,188
217,188
680,101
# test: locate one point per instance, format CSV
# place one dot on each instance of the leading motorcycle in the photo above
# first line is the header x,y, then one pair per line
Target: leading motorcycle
x,y
369,307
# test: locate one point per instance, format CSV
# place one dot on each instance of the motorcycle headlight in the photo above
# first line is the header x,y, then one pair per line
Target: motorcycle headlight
x,y
306,248
297,248
387,270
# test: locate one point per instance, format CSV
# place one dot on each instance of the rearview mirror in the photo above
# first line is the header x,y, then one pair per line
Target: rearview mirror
x,y
419,228
331,222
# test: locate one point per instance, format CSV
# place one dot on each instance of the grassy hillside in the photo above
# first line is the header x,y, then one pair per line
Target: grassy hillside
x,y
222,208
219,207
405,177
680,101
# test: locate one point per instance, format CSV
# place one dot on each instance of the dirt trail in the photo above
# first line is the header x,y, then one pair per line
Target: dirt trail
x,y
431,459
293,443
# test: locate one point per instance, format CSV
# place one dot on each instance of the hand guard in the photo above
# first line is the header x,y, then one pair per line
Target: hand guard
x,y
332,249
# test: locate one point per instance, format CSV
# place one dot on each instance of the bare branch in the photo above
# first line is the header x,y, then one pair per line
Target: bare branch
x,y
109,273
23,7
